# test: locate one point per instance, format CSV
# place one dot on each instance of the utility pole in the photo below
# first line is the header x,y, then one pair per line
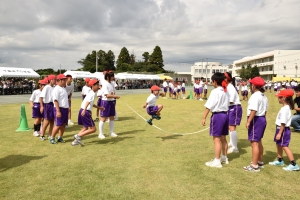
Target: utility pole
x,y
60,68
96,61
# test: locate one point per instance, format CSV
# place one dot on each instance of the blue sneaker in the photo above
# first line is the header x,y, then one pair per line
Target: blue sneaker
x,y
156,117
277,163
149,121
52,141
291,168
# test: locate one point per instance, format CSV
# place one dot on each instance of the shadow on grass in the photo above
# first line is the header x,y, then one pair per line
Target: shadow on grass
x,y
109,140
12,161
125,118
170,137
242,144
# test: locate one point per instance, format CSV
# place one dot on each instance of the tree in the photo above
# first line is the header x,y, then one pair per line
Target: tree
x,y
248,71
243,72
146,56
254,72
123,58
156,58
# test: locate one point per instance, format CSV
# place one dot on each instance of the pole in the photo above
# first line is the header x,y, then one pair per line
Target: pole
x,y
96,62
60,68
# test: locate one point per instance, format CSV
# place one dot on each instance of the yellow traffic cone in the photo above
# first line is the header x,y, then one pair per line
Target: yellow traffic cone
x,y
23,120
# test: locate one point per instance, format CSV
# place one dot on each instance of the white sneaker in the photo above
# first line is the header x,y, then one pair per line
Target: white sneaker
x,y
101,136
70,123
213,163
232,150
113,135
116,118
229,144
36,134
200,99
224,161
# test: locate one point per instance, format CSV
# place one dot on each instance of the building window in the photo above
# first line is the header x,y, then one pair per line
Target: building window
x,y
271,68
200,71
213,71
204,71
225,70
208,71
196,71
217,70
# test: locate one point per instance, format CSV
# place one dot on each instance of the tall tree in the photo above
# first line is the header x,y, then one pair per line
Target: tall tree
x,y
146,56
243,72
156,58
254,72
248,71
123,58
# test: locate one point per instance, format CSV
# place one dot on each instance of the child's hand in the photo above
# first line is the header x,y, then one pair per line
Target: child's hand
x,y
101,108
203,121
278,136
144,106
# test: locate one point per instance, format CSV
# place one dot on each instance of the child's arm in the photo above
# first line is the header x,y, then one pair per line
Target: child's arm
x,y
145,105
205,115
251,116
99,107
278,136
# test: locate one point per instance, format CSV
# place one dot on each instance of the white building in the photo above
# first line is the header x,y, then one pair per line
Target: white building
x,y
277,63
206,70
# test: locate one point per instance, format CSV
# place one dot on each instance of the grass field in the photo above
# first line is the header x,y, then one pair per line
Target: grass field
x,y
143,162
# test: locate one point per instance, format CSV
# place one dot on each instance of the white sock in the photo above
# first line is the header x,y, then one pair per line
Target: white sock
x,y
111,126
116,115
224,157
217,159
233,139
101,125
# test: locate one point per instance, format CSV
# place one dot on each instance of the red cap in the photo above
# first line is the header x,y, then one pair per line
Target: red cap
x,y
87,80
51,77
60,76
155,88
178,83
257,81
93,82
285,93
43,82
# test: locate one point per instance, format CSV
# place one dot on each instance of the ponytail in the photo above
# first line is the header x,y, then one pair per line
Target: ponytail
x,y
290,102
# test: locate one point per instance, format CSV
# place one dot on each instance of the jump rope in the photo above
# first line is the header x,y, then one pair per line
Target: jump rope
x,y
161,128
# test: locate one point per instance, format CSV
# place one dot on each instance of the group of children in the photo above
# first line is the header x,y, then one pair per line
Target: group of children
x,y
226,110
176,90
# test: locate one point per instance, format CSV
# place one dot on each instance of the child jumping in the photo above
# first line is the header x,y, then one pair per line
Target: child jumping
x,y
152,109
283,133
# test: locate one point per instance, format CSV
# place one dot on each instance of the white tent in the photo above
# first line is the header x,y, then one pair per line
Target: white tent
x,y
80,74
137,76
125,76
18,72
99,75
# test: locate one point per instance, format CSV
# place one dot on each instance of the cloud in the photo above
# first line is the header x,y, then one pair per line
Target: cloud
x,y
44,34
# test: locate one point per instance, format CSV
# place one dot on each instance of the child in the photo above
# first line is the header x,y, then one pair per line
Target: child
x,y
201,83
85,113
70,90
178,90
183,89
217,103
283,133
85,89
35,105
197,91
165,86
256,123
152,109
234,113
99,95
296,117
245,91
205,90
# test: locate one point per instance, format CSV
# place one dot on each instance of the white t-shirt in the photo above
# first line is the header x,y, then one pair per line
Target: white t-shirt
x,y
35,97
205,86
201,84
88,98
244,88
46,94
257,102
233,95
178,87
197,86
165,84
61,96
218,100
100,93
85,90
108,88
284,116
70,88
275,85
183,85
171,86
151,100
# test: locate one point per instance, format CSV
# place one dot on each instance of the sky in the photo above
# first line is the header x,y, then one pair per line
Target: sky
x,y
41,34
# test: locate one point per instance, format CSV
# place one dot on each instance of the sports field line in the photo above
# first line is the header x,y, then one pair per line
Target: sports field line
x,y
161,128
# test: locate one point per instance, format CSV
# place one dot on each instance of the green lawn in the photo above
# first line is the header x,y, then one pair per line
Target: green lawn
x,y
143,162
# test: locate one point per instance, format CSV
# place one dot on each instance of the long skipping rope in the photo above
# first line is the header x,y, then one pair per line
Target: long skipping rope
x,y
160,128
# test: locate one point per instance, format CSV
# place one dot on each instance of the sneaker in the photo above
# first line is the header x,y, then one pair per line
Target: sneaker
x,y
149,121
42,138
224,161
48,137
70,123
75,142
36,134
116,118
113,135
78,139
96,120
61,140
250,168
232,150
52,141
101,136
229,144
156,117
260,165
200,99
291,168
213,163
277,163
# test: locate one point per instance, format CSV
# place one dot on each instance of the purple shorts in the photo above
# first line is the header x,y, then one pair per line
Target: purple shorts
x,y
197,91
183,89
178,90
219,124
245,93
170,89
235,113
257,128
99,101
36,113
48,111
285,137
165,89
200,90
205,91
152,110
110,108
63,120
85,120
83,97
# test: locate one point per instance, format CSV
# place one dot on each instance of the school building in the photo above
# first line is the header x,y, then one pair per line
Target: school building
x,y
276,63
206,70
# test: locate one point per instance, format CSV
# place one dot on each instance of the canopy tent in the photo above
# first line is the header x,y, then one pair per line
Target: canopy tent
x,y
80,74
163,77
146,77
124,76
99,75
18,72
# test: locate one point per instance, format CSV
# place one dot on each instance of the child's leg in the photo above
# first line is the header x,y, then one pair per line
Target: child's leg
x,y
217,146
160,107
288,153
255,152
279,151
87,131
224,145
261,152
